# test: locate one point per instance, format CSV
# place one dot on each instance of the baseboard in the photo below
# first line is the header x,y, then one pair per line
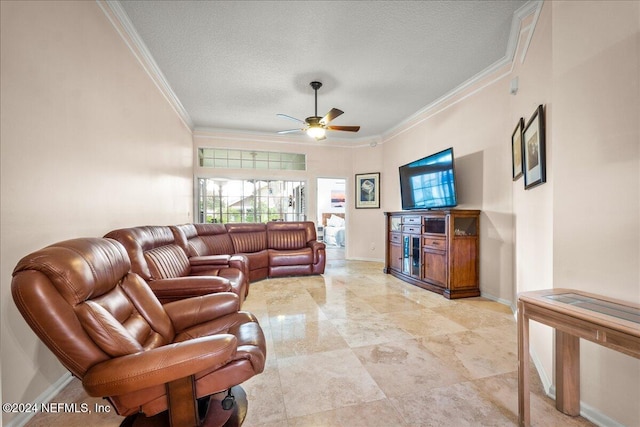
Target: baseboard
x,y
587,411
46,396
597,417
496,299
364,259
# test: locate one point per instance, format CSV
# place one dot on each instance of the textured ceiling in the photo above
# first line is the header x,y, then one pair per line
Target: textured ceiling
x,y
235,64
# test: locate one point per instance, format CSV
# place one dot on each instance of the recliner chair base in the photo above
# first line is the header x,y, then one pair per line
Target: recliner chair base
x,y
215,415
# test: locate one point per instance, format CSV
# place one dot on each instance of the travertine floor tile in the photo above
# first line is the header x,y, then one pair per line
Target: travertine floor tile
x,y
364,330
474,317
298,337
356,347
414,323
472,355
377,413
324,381
457,405
401,367
265,398
390,303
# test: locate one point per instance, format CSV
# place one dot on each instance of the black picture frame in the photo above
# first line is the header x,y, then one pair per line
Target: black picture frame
x,y
533,150
517,167
368,190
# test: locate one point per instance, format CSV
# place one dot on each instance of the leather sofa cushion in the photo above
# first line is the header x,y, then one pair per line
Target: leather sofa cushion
x,y
307,226
290,257
107,332
215,244
167,262
249,242
83,281
258,260
213,239
287,240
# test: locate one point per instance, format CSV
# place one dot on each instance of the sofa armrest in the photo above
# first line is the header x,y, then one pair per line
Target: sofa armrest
x,y
214,260
189,286
194,311
158,366
316,246
241,262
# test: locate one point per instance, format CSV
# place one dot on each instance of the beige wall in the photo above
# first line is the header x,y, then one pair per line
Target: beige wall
x,y
596,152
88,144
474,123
581,229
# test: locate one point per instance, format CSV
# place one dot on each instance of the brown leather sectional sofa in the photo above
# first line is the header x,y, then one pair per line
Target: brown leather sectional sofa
x,y
195,259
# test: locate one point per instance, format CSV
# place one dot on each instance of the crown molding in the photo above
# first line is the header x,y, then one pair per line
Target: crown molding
x,y
265,137
534,7
531,7
123,25
121,22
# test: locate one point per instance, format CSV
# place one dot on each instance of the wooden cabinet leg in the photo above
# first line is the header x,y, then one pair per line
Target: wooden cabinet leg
x,y
567,373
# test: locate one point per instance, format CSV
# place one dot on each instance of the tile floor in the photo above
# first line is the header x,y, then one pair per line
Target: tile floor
x,y
356,347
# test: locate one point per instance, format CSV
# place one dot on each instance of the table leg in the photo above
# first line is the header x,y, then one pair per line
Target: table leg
x,y
523,368
567,373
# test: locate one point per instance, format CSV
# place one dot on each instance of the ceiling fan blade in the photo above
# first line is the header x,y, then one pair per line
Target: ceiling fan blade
x,y
330,116
290,131
345,128
289,117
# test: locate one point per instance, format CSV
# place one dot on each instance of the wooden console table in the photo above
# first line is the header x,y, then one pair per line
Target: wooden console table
x,y
574,315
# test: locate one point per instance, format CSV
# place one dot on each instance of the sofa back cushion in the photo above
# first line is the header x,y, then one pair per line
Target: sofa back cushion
x,y
287,239
183,234
307,227
248,238
153,251
167,262
213,239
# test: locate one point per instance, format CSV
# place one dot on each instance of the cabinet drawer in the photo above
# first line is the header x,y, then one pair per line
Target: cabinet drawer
x,y
395,238
430,242
412,229
411,220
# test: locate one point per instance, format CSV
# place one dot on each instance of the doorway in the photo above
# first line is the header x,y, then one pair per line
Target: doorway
x,y
332,226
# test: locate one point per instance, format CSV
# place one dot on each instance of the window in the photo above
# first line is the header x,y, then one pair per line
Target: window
x,y
224,158
250,200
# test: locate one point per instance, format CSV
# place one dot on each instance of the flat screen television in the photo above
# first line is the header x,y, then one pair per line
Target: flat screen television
x,y
429,183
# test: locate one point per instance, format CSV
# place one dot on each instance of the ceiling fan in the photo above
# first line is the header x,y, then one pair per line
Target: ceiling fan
x,y
316,126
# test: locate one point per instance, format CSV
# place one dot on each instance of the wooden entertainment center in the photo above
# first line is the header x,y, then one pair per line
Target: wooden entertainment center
x,y
437,250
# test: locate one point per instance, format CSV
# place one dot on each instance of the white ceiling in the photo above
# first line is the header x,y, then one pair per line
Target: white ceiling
x,y
233,65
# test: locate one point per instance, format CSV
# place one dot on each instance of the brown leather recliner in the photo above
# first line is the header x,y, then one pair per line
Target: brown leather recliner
x,y
108,328
293,249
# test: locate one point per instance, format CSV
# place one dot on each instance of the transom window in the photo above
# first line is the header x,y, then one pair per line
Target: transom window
x,y
250,200
225,158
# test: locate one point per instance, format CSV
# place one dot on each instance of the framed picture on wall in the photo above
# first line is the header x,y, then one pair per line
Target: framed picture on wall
x,y
516,150
368,191
533,150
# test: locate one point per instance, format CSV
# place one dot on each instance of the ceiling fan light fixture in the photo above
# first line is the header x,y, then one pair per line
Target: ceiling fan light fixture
x,y
316,131
316,126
